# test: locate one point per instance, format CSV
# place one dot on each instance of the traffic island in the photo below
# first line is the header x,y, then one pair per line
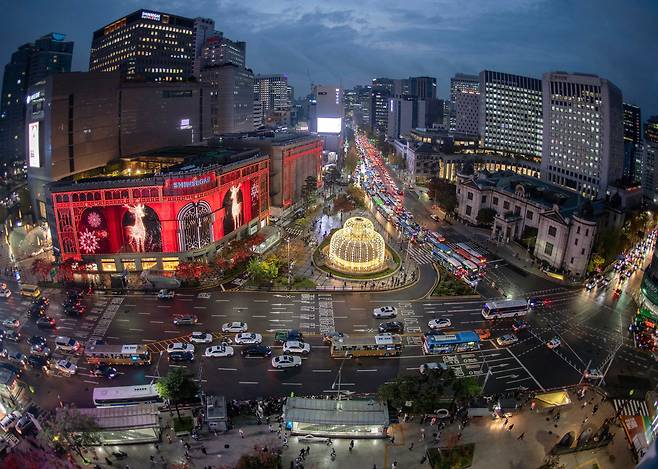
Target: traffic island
x,y
457,457
449,285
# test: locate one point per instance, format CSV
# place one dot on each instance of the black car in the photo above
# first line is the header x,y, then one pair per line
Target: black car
x,y
391,326
46,322
37,340
13,368
520,325
14,336
36,311
257,351
37,361
180,356
74,311
42,301
106,371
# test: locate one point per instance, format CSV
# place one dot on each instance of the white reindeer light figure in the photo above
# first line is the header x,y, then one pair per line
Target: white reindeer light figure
x,y
137,231
236,206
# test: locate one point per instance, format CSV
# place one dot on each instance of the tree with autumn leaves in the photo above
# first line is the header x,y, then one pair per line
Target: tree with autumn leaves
x,y
192,271
41,268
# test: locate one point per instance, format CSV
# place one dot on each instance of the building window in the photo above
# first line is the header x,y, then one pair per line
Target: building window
x,y
484,199
129,264
552,231
108,265
548,250
587,232
571,261
505,205
529,215
170,263
469,195
578,230
495,200
468,210
575,243
517,210
582,252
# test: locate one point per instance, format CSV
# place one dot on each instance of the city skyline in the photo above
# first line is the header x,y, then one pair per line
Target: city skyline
x,y
521,37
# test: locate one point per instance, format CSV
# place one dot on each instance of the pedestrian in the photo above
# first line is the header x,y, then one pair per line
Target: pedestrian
x,y
423,459
422,434
506,420
585,420
394,465
204,451
351,445
521,436
285,442
392,439
308,450
595,409
269,427
169,438
509,429
152,458
241,432
411,446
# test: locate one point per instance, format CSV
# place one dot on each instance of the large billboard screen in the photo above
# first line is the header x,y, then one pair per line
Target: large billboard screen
x,y
329,125
33,145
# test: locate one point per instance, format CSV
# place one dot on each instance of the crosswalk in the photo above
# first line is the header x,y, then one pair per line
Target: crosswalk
x,y
294,231
631,407
420,254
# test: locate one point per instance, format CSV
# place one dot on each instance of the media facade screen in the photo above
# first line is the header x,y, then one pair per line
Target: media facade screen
x,y
33,145
329,125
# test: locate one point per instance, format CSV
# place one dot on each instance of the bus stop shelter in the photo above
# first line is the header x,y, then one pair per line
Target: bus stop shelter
x,y
353,418
124,425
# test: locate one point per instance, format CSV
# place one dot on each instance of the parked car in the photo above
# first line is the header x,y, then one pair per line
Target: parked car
x,y
248,338
256,351
165,294
11,323
185,319
286,361
425,367
12,335
25,424
180,347
40,350
391,326
439,323
295,346
219,351
384,312
236,326
201,338
484,334
507,339
15,357
555,342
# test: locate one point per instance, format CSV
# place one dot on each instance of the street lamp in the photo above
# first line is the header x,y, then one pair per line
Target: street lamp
x,y
289,266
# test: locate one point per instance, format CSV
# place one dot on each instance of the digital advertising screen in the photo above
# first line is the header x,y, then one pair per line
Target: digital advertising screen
x,y
33,145
329,125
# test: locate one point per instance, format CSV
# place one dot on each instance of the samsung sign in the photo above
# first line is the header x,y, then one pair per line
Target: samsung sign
x,y
147,15
191,183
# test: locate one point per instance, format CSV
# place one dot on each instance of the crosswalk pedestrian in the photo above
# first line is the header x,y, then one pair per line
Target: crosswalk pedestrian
x,y
421,254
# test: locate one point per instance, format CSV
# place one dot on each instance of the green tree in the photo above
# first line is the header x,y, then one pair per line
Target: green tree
x,y
176,387
425,392
69,429
263,270
357,194
552,462
486,216
352,159
41,268
309,189
609,244
443,193
595,263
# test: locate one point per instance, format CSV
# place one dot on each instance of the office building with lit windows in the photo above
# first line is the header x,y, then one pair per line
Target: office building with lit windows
x,y
231,97
583,147
220,50
510,117
461,82
632,144
650,160
146,46
272,92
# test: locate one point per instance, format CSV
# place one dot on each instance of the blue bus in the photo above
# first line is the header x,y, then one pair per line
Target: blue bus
x,y
463,341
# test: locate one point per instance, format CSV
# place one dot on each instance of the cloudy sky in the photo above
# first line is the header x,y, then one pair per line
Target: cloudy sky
x,y
353,41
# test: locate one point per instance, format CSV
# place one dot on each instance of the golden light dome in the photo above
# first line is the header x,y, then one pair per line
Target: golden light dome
x,y
357,247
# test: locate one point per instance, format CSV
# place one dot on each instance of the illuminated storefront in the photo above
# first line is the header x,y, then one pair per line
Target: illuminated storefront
x,y
175,213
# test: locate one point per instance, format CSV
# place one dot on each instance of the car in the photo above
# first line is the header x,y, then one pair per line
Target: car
x,y
286,361
219,351
535,302
165,294
384,312
484,334
435,217
248,338
11,323
180,347
74,311
295,346
46,322
40,350
256,351
439,323
37,361
507,339
236,326
520,325
10,420
425,367
201,337
65,367
67,344
17,370
25,424
590,285
12,335
180,356
391,326
105,371
185,319
15,357
313,439
555,342
42,301
5,293
335,335
285,335
36,311
617,292
37,340
593,373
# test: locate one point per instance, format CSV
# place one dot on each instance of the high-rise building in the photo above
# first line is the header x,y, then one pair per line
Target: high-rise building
x,y
404,115
231,98
326,115
461,82
510,117
467,108
632,144
147,46
650,160
220,50
272,92
423,87
387,84
30,64
379,109
583,146
202,30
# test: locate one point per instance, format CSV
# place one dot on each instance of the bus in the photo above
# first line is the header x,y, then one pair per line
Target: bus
x,y
126,395
447,261
463,341
480,258
504,309
383,345
118,355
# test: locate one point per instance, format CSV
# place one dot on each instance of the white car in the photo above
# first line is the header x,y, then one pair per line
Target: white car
x,y
425,367
10,420
180,347
439,323
66,367
507,339
295,346
67,344
553,343
248,338
234,327
5,293
11,323
286,361
201,337
219,351
165,294
384,312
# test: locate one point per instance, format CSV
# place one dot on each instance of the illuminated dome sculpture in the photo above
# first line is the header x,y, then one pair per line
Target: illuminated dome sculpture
x,y
357,247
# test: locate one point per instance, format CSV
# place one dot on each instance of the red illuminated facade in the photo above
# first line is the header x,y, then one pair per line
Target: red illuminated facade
x,y
185,213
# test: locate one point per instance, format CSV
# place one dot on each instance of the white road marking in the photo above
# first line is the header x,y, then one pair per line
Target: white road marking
x,y
258,316
164,306
261,301
219,315
156,322
291,384
321,371
136,330
358,371
173,332
222,301
90,382
526,370
247,382
199,307
227,369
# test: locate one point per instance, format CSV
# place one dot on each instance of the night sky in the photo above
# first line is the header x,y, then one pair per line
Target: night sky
x,y
353,41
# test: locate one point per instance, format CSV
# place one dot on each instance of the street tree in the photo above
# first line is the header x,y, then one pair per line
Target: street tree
x,y
357,194
309,189
424,392
263,269
351,159
33,458
41,268
70,429
192,270
486,216
176,387
443,193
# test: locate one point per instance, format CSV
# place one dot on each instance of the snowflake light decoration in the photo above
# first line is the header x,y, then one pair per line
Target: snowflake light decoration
x,y
94,219
89,242
254,190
